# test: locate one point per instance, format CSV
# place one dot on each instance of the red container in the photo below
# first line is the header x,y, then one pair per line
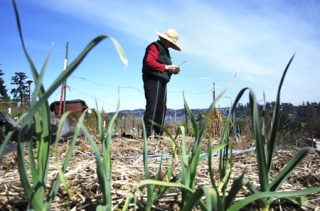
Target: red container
x,y
77,106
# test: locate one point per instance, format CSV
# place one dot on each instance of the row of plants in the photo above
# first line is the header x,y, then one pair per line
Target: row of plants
x,y
34,127
217,197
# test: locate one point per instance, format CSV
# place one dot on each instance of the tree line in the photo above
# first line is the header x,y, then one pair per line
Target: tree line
x,y
20,95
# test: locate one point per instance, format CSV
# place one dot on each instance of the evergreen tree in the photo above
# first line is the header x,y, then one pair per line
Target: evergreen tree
x,y
21,93
312,121
3,89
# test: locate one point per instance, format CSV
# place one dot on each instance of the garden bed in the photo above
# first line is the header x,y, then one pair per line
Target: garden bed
x,y
128,171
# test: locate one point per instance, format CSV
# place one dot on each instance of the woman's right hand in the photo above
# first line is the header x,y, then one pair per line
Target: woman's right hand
x,y
172,69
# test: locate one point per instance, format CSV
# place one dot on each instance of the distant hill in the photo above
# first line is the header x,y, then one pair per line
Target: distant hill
x,y
178,114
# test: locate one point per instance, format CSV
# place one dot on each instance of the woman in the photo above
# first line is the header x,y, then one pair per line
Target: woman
x,y
157,70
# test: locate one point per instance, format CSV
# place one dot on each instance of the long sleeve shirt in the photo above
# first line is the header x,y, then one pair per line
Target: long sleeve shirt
x,y
151,59
155,59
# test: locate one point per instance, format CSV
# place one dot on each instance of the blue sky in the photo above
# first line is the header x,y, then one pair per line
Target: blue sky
x,y
253,38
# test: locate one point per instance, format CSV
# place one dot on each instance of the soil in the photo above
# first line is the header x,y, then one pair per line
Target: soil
x,y
128,171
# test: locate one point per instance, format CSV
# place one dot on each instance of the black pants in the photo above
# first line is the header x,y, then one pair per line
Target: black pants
x,y
155,91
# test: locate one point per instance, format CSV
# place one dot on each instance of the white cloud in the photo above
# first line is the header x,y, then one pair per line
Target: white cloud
x,y
219,37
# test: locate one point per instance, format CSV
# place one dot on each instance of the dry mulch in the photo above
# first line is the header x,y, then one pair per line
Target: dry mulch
x,y
128,171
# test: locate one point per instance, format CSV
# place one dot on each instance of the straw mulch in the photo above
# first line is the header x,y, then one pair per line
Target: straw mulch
x,y
128,171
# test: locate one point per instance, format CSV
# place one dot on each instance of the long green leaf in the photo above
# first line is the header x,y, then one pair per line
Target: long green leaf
x,y
59,167
195,153
234,190
213,151
276,121
35,190
212,199
25,178
130,198
273,195
32,194
107,157
146,169
184,174
289,168
161,183
261,155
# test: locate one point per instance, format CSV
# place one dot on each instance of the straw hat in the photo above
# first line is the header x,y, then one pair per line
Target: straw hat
x,y
172,36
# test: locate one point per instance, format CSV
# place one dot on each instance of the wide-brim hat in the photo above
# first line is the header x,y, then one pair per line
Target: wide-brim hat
x,y
172,36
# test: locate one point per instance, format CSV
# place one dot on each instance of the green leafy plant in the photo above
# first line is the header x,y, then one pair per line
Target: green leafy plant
x,y
153,190
216,197
269,188
191,194
62,168
35,126
103,159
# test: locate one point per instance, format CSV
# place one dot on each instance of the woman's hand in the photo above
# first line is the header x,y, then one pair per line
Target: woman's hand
x,y
172,69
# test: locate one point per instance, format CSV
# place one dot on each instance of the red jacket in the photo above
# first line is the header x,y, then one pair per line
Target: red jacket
x,y
151,59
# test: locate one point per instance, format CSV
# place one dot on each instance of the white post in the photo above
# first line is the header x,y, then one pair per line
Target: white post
x,y
29,81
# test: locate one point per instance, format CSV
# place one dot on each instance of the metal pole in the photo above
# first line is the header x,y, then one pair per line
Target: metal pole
x,y
215,120
29,81
214,91
64,84
61,95
29,95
